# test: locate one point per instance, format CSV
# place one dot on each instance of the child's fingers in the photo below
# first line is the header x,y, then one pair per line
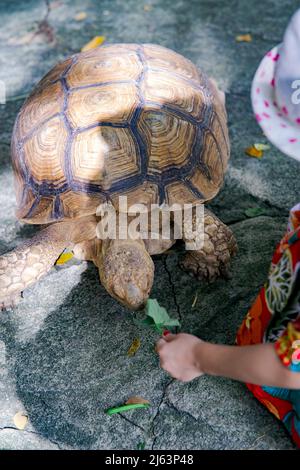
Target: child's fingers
x,y
169,337
160,343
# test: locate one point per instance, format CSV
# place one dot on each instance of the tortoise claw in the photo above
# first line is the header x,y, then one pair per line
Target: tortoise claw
x,y
10,302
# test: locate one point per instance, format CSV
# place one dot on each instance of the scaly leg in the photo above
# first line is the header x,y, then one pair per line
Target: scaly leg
x,y
26,264
213,259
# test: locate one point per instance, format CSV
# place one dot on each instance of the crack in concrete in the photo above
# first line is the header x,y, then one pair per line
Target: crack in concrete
x,y
252,218
164,260
256,441
43,26
30,432
157,414
171,405
133,423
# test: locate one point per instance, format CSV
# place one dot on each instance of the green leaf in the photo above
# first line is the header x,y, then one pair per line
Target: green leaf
x,y
122,408
148,321
159,315
254,211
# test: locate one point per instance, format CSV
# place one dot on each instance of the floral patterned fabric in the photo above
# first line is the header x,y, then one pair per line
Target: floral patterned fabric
x,y
275,317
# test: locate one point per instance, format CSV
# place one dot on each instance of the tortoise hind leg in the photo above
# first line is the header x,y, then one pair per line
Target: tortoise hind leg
x,y
213,259
26,264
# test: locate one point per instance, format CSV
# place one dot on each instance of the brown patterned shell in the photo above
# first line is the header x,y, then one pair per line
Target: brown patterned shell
x,y
123,119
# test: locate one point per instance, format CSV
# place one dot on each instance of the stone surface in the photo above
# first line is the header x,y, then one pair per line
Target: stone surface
x,y
63,351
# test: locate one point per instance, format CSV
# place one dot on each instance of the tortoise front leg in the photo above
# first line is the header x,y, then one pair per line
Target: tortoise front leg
x,y
213,259
26,264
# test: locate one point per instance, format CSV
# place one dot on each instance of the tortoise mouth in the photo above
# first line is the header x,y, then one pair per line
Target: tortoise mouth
x,y
134,298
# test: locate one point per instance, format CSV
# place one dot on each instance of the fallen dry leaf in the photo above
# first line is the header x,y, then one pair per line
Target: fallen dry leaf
x,y
243,38
135,346
148,7
80,16
95,42
56,4
64,258
20,420
19,41
137,400
253,152
262,146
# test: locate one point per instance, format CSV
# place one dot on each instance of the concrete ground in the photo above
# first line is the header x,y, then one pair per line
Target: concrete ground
x,y
63,351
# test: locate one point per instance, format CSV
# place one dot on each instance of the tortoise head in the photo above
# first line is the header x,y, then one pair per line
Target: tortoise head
x,y
127,271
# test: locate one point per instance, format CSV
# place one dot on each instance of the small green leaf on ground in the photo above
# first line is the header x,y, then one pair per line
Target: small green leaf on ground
x,y
254,212
123,408
141,446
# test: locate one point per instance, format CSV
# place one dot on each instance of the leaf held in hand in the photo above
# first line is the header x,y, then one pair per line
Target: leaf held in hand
x,y
135,400
135,346
159,316
95,42
20,420
254,212
80,16
243,38
254,152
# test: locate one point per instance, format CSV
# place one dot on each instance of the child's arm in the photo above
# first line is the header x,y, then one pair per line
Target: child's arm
x,y
186,357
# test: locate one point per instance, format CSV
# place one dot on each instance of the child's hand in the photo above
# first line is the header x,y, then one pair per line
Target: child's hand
x,y
178,356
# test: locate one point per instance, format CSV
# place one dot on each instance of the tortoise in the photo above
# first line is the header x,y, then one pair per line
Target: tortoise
x,y
139,121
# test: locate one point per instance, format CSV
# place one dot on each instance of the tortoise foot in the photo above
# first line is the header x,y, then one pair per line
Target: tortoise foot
x,y
10,302
213,259
205,268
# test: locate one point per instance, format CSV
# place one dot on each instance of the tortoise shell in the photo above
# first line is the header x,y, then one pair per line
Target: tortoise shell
x,y
123,119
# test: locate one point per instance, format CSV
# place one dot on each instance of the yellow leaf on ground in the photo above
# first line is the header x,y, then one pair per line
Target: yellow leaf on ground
x,y
262,146
26,39
147,7
20,420
243,38
248,320
253,152
80,16
135,400
135,346
64,258
97,41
